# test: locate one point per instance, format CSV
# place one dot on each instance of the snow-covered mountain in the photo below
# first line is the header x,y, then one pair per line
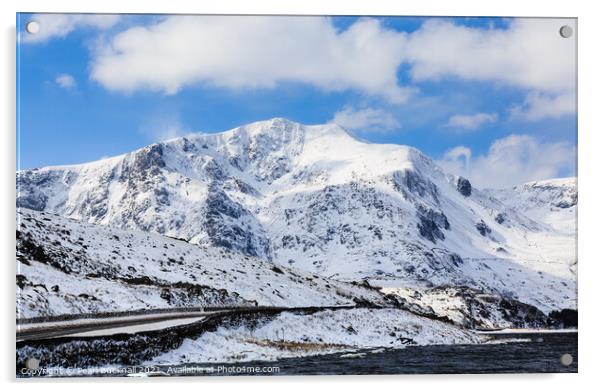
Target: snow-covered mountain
x,y
318,199
553,202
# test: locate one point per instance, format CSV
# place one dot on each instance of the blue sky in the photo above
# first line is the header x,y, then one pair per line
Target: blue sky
x,y
486,97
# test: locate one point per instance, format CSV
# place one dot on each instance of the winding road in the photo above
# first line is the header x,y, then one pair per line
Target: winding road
x,y
87,325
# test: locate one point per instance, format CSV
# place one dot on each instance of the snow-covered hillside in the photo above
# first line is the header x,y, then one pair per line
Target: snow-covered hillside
x,y
69,267
553,202
318,199
294,335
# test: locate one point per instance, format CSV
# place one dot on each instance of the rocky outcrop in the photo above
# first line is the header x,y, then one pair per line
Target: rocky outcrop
x,y
432,223
483,228
474,308
226,223
464,187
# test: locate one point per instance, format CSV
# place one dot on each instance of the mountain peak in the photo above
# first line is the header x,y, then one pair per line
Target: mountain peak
x,y
285,125
275,123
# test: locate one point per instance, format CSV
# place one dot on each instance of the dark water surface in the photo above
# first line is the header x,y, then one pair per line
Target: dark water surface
x,y
507,353
540,354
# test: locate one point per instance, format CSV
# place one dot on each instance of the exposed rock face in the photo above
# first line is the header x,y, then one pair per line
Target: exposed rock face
x,y
418,185
464,187
500,218
564,319
431,223
32,186
225,226
33,200
483,228
475,309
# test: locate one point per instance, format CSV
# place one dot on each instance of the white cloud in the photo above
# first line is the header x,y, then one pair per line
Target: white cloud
x,y
538,106
510,161
164,127
530,53
459,155
60,25
253,52
365,119
65,81
238,52
471,122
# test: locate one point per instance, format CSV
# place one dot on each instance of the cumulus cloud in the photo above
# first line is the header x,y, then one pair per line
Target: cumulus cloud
x,y
238,52
510,161
66,81
365,119
460,156
529,53
538,105
253,52
471,122
60,25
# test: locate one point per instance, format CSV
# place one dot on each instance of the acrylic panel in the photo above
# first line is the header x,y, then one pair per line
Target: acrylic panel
x,y
295,195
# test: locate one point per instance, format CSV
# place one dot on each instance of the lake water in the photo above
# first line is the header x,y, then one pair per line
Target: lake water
x,y
532,353
507,353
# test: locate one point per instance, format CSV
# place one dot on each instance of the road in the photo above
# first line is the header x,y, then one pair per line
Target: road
x,y
118,323
107,325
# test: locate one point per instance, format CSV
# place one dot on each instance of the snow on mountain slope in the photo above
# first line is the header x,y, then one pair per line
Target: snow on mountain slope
x,y
318,199
294,335
553,202
66,266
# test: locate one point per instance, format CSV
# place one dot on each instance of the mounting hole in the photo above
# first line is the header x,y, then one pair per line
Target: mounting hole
x,y
32,27
566,359
32,363
566,31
